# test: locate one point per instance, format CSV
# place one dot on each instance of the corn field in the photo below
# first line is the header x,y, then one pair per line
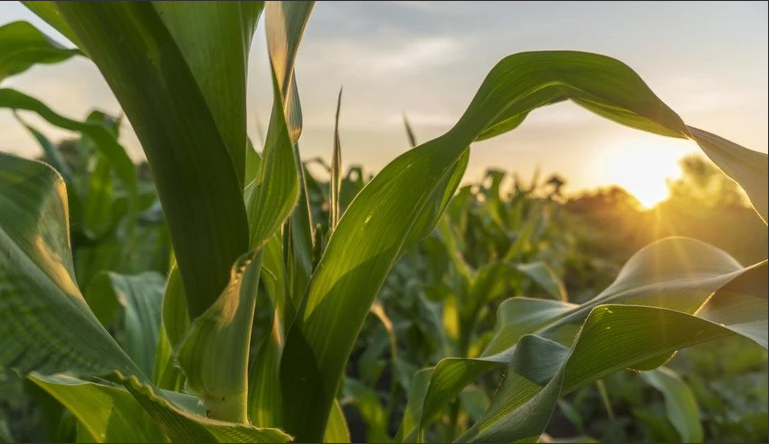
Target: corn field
x,y
230,290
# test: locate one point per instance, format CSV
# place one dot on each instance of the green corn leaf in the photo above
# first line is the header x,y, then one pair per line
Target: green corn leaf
x,y
275,190
184,426
674,273
299,248
336,430
148,70
546,278
494,280
23,46
51,15
335,182
219,61
111,413
222,335
410,132
274,277
166,375
264,385
46,324
176,321
138,299
680,402
402,204
106,413
613,337
253,159
285,22
328,330
281,177
747,167
52,155
104,141
98,211
519,316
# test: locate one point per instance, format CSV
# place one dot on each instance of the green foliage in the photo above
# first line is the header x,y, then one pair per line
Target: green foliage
x,y
274,273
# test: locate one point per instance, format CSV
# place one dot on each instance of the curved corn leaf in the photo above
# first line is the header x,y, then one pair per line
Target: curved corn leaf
x,y
176,321
613,337
375,232
285,22
113,414
106,413
280,181
520,316
402,203
674,273
104,140
46,324
48,11
222,335
275,190
139,298
184,426
747,167
494,280
54,158
23,46
543,275
159,92
680,403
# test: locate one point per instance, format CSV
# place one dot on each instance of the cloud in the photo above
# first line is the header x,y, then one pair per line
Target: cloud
x,y
422,6
379,57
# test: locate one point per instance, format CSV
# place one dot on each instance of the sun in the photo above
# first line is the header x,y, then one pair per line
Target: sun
x,y
643,165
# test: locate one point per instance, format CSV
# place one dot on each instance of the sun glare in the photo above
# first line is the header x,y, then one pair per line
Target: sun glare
x,y
643,166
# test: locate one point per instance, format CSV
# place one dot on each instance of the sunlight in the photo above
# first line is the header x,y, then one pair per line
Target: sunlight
x,y
643,164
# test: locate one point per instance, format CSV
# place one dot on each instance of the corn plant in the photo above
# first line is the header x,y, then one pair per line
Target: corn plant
x,y
255,335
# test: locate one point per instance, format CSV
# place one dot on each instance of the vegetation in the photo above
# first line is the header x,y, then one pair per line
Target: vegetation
x,y
231,296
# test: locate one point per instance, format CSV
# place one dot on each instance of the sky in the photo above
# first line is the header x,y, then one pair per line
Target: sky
x,y
706,60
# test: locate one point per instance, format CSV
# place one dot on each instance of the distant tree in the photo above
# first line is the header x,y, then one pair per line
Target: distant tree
x,y
703,186
612,198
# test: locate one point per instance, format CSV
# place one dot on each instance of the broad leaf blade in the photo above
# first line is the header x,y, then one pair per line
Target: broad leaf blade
x,y
23,46
680,403
371,241
46,324
149,74
48,11
285,23
139,300
676,273
614,337
104,141
107,413
336,430
184,426
746,167
219,61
